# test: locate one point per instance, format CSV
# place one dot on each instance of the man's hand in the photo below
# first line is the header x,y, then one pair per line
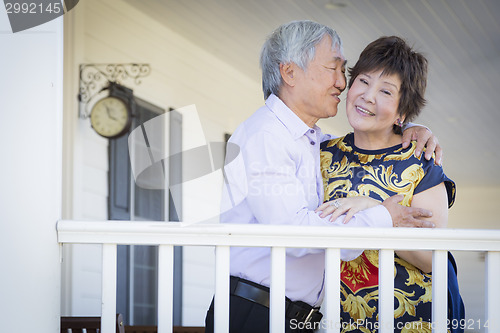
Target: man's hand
x,y
424,137
407,217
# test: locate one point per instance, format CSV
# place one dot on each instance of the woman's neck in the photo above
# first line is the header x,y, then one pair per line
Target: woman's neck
x,y
372,141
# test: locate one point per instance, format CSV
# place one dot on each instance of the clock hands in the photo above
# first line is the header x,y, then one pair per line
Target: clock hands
x,y
108,111
110,117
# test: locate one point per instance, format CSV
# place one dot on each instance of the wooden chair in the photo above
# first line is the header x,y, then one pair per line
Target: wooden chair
x,y
186,329
154,329
90,324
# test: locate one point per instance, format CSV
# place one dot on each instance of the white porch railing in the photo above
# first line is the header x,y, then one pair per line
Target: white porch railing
x,y
332,239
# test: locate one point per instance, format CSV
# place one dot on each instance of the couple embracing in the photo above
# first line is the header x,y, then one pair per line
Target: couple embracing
x,y
376,176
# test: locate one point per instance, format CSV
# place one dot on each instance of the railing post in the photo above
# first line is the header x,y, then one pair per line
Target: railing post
x,y
221,302
165,288
439,291
492,292
332,290
277,301
386,291
108,312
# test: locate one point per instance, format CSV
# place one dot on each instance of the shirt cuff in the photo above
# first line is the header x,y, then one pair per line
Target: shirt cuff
x,y
383,217
409,125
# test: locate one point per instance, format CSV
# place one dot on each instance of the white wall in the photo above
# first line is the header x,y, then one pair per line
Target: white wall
x,y
30,176
475,207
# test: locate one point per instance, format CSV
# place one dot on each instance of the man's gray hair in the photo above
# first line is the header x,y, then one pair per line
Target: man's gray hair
x,y
293,42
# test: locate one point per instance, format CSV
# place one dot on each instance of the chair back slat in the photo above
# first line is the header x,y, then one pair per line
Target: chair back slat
x,y
88,324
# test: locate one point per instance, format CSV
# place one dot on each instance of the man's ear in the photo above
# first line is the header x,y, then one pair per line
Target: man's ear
x,y
288,73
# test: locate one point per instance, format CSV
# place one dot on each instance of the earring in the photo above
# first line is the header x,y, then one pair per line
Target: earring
x,y
400,123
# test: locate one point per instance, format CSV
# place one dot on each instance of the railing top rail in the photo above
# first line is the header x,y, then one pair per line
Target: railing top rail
x,y
176,233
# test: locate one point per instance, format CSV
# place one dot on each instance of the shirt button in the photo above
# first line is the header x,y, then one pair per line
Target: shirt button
x,y
312,131
313,143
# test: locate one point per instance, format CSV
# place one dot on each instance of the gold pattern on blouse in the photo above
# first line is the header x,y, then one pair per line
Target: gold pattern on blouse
x,y
378,180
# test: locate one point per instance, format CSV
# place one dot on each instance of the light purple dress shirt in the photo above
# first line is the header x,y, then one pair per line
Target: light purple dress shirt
x,y
276,179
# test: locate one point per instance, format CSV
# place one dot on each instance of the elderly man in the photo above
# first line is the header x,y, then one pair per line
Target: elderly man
x,y
277,180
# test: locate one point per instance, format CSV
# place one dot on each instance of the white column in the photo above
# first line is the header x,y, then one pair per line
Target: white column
x,y
30,193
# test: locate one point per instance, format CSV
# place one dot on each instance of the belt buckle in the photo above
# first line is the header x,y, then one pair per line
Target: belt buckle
x,y
309,316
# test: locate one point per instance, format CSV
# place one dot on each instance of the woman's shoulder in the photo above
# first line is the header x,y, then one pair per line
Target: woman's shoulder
x,y
340,142
408,155
431,173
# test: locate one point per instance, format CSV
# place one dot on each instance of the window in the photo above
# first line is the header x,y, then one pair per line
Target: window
x,y
138,265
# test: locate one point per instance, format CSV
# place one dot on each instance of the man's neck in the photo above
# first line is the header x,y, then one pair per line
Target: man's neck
x,y
297,109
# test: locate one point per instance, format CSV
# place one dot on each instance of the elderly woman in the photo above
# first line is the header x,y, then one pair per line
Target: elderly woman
x,y
386,90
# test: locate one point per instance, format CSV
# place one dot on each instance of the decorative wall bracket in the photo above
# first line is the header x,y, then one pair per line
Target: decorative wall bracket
x,y
95,78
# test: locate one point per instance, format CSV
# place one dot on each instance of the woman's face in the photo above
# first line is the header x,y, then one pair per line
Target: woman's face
x,y
372,102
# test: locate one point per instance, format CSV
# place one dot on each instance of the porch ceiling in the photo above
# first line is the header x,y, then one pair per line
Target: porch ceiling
x,y
460,37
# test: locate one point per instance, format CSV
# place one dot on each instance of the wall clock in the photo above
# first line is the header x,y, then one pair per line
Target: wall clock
x,y
111,117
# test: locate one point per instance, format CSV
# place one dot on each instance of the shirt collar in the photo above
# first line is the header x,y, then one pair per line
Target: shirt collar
x,y
292,122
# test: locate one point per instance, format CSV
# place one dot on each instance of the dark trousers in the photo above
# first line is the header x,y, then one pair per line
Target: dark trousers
x,y
246,316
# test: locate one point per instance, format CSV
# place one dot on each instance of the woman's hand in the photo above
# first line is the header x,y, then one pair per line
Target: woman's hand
x,y
348,206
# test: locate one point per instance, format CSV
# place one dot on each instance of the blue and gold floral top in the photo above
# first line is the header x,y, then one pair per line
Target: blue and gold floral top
x,y
350,171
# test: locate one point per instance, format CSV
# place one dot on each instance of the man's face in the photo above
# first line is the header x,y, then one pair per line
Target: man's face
x,y
318,87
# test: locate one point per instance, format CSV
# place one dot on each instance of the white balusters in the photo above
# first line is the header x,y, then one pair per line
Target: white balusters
x,y
108,321
331,310
165,288
386,290
492,292
221,302
439,291
277,297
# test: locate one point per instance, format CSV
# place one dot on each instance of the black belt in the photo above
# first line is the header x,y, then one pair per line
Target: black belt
x,y
254,292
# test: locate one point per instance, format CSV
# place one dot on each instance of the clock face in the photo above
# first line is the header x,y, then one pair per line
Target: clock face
x,y
110,117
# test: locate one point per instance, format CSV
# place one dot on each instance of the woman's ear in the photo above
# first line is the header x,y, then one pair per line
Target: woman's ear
x,y
288,73
400,120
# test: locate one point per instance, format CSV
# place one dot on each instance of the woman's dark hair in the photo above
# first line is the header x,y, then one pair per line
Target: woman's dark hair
x,y
393,55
